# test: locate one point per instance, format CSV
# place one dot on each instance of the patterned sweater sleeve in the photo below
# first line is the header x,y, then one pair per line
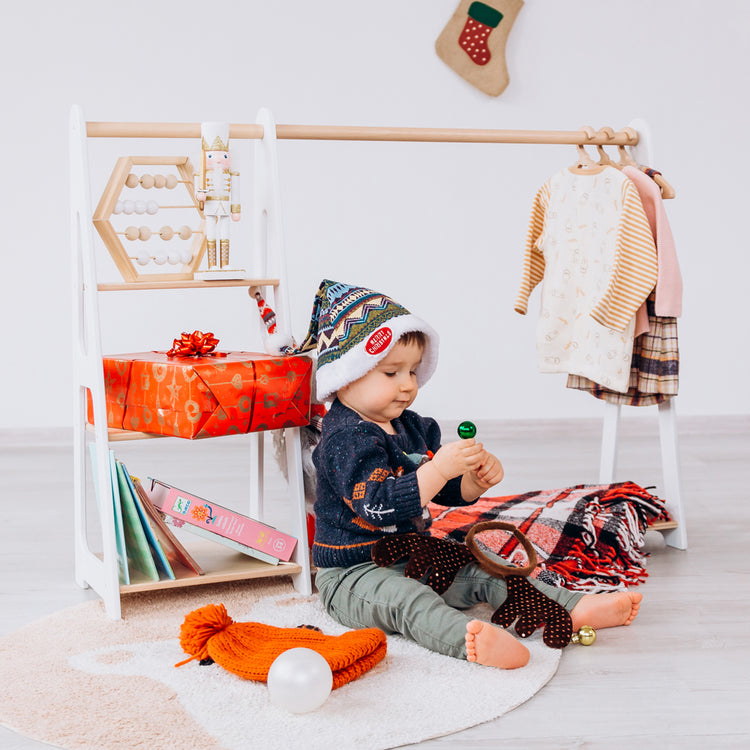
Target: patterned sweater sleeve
x,y
635,270
533,259
358,469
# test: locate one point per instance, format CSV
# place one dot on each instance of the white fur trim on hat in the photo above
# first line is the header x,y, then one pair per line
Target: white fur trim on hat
x,y
360,359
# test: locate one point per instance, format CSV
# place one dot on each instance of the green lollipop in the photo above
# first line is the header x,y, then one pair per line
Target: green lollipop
x,y
467,430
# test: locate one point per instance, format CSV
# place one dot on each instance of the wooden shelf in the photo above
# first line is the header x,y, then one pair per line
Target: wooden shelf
x,y
663,525
220,564
130,286
237,571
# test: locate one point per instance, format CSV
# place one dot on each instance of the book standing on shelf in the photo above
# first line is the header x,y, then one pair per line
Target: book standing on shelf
x,y
197,513
147,550
140,558
212,536
173,549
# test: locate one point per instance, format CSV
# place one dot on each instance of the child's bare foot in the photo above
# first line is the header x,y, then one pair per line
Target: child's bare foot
x,y
493,647
606,610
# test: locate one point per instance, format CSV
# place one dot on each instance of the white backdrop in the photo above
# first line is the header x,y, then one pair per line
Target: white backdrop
x,y
439,227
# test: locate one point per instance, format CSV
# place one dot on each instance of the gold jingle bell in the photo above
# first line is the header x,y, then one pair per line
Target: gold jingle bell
x,y
586,635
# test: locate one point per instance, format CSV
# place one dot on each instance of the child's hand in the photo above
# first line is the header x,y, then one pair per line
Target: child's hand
x,y
455,459
489,473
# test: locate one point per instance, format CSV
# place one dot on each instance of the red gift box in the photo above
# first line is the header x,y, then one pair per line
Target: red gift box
x,y
196,397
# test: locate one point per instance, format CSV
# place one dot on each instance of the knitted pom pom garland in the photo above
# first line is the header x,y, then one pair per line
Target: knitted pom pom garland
x,y
248,649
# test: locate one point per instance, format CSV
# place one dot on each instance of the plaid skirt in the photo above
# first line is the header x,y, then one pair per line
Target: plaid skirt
x,y
654,367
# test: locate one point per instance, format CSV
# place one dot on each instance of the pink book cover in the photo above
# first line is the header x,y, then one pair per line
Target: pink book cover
x,y
227,523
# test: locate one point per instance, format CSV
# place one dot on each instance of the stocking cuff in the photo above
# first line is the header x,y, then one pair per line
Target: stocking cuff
x,y
485,14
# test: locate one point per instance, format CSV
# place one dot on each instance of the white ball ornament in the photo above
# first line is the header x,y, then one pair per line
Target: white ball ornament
x,y
299,680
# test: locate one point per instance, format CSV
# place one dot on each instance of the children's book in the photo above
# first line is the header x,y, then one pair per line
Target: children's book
x,y
196,511
206,533
140,561
122,560
177,555
162,563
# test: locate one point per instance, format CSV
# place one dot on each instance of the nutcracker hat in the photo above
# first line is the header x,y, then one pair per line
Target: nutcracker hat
x,y
215,136
352,329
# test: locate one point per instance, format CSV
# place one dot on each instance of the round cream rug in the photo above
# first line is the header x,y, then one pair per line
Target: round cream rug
x,y
76,679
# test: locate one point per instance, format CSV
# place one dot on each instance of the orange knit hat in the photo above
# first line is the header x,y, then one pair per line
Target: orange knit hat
x,y
248,649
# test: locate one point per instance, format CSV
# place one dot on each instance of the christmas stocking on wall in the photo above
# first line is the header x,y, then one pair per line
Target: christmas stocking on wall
x,y
473,42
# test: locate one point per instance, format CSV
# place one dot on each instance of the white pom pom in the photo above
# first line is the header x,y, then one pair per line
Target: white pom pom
x,y
275,342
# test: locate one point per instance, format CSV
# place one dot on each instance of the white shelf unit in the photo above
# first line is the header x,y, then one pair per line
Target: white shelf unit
x,y
99,571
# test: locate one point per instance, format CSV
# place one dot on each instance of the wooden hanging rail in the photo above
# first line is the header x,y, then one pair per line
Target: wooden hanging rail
x,y
357,133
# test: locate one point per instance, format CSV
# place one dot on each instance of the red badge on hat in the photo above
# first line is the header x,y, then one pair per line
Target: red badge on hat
x,y
379,340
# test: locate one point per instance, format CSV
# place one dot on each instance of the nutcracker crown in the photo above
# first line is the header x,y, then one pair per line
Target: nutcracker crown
x,y
215,136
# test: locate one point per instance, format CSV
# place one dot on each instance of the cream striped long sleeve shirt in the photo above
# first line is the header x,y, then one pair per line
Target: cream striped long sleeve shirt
x,y
590,246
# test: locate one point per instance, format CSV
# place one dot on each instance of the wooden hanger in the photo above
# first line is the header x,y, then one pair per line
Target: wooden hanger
x,y
604,159
667,191
626,160
584,162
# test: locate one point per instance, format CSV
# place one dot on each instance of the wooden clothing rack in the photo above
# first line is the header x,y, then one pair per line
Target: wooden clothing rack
x,y
269,248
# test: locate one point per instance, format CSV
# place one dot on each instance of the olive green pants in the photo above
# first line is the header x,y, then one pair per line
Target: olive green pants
x,y
367,596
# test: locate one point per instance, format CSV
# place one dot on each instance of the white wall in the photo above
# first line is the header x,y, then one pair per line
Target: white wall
x,y
439,227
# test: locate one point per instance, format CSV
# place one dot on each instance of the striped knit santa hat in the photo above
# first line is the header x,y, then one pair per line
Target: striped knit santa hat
x,y
352,328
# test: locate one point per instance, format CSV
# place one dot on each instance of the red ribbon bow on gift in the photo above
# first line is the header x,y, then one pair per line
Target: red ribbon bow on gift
x,y
195,344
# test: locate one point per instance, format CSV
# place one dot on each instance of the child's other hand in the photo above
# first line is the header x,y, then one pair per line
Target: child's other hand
x,y
458,458
490,472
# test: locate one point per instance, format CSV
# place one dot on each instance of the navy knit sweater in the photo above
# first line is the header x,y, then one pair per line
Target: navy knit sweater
x,y
367,484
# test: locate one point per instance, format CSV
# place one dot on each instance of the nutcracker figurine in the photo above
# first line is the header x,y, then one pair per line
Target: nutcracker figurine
x,y
217,190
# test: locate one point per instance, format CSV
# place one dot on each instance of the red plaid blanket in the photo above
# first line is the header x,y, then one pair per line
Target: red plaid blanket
x,y
587,538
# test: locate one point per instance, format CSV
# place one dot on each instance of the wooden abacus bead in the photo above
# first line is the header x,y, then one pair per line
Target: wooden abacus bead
x,y
140,207
173,257
152,207
132,180
144,233
160,257
143,258
159,181
132,233
166,233
128,207
147,181
185,232
171,182
186,255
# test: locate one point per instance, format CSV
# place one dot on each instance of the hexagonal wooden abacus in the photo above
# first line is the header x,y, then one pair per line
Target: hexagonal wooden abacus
x,y
124,177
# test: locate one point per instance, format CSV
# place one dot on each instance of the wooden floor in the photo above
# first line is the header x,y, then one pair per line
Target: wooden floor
x,y
678,677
